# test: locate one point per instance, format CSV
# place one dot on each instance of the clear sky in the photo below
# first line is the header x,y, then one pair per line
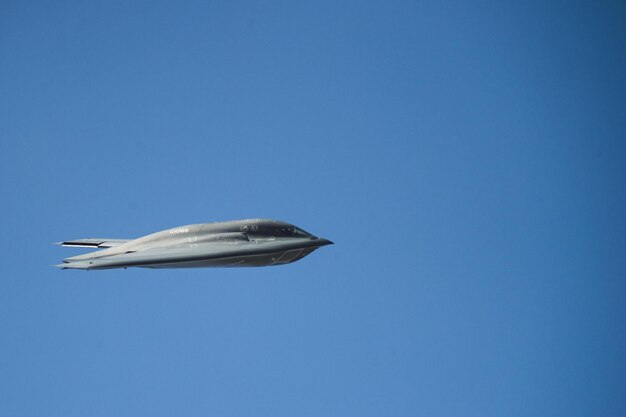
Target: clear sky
x,y
468,159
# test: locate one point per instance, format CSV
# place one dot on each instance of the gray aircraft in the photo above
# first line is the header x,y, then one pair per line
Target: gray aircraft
x,y
222,244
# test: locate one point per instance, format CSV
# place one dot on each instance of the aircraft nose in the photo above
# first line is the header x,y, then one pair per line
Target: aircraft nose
x,y
324,242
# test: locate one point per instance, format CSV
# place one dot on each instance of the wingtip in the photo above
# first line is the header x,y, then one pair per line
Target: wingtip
x,y
73,265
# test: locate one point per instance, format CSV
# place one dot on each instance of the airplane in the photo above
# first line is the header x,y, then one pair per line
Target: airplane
x,y
239,243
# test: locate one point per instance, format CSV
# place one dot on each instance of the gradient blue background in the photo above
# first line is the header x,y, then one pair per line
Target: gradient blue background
x,y
468,159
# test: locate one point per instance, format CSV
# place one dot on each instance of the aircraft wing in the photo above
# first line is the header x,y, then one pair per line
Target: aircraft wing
x,y
94,243
176,257
157,256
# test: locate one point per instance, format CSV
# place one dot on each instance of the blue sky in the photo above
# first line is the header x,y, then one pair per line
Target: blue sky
x,y
467,159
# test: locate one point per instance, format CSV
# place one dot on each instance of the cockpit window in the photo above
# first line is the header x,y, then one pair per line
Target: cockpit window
x,y
292,231
300,233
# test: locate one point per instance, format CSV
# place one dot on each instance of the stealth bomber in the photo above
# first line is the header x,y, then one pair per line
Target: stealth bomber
x,y
254,242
